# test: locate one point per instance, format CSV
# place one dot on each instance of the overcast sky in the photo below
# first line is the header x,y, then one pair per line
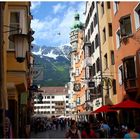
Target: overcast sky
x,y
52,21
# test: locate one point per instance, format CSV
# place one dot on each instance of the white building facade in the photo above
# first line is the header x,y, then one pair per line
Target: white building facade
x,y
92,57
55,102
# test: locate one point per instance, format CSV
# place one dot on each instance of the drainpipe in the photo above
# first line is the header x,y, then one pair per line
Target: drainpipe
x,y
100,52
1,74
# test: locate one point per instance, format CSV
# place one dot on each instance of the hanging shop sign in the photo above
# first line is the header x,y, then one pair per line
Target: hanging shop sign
x,y
91,84
37,73
106,83
97,103
77,87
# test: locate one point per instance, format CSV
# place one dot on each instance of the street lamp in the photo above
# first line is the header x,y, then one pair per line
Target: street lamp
x,y
21,42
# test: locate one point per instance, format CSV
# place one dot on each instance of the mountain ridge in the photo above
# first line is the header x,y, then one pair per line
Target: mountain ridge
x,y
55,62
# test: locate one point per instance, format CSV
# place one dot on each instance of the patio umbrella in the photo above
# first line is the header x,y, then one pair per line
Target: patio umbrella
x,y
61,117
104,108
128,104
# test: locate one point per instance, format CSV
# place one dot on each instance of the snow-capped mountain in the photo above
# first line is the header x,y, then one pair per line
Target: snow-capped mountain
x,y
52,52
56,63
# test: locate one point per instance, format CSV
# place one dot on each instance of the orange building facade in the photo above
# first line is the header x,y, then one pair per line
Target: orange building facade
x,y
126,36
80,95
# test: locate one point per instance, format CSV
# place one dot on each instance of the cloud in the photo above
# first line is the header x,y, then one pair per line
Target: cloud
x,y
58,8
35,5
47,29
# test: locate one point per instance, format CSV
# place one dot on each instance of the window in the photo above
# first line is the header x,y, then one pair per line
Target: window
x,y
137,16
92,46
104,35
88,34
120,74
87,96
94,71
96,41
107,90
87,20
98,64
67,101
90,71
93,5
108,5
105,61
17,20
77,72
91,27
90,11
14,22
67,96
112,58
67,106
118,39
110,29
125,26
102,8
87,51
95,19
90,50
48,97
78,100
129,68
115,6
87,72
52,97
86,38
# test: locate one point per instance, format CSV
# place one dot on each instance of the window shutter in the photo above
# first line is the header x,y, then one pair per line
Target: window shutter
x,y
114,7
137,20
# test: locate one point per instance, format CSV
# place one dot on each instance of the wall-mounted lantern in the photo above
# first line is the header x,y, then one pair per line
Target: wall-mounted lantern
x,y
21,44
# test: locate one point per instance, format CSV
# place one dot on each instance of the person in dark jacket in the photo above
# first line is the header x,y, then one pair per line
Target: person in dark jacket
x,y
73,132
88,132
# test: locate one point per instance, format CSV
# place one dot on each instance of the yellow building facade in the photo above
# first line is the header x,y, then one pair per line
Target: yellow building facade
x,y
107,52
16,75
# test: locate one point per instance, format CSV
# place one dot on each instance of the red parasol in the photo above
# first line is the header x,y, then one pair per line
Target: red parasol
x,y
104,108
128,104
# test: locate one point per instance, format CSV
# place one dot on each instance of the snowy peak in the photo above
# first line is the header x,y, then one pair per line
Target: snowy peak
x,y
51,55
52,52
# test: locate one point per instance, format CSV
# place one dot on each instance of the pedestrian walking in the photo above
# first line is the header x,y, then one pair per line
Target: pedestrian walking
x,y
73,132
131,134
105,128
88,132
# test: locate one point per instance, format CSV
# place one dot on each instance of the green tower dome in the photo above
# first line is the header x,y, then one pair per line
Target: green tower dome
x,y
77,24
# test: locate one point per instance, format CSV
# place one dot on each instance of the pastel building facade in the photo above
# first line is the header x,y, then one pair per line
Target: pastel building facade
x,y
92,58
126,25
107,53
15,16
55,102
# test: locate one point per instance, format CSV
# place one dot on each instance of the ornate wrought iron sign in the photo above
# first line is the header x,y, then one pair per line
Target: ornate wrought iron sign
x,y
106,83
77,87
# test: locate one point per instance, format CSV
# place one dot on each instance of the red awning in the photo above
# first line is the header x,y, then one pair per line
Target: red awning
x,y
127,104
104,108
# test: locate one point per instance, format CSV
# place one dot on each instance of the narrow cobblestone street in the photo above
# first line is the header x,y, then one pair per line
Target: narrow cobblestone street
x,y
51,134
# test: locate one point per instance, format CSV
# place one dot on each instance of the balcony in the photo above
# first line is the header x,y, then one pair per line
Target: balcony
x,y
130,84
